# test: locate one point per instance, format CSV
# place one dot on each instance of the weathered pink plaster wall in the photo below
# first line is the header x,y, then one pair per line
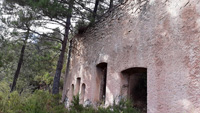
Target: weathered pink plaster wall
x,y
160,35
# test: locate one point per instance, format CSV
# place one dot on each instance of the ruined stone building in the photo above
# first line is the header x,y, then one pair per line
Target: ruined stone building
x,y
145,50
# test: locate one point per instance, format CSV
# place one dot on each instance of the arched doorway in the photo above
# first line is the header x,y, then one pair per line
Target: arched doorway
x,y
136,86
102,75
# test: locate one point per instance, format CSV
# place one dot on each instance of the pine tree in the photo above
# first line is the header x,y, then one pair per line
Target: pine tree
x,y
61,12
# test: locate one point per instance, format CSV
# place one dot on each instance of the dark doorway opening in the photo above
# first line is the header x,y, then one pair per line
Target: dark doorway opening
x,y
82,93
102,73
137,87
78,83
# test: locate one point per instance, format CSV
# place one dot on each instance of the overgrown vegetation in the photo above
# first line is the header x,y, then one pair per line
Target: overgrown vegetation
x,y
44,102
38,102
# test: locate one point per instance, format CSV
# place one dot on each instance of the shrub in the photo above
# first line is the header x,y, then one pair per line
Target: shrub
x,y
43,102
76,107
38,102
124,106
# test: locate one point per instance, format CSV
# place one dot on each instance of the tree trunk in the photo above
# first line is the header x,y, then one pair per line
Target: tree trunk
x,y
111,4
21,59
95,10
56,81
65,90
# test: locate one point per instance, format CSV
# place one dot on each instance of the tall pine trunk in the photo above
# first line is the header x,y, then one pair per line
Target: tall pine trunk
x,y
20,62
95,10
65,90
56,81
111,4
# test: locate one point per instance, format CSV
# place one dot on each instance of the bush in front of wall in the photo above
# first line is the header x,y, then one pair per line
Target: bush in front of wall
x,y
124,106
44,102
38,102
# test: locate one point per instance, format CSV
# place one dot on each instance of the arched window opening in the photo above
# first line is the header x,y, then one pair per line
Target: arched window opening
x,y
78,83
136,86
72,89
83,92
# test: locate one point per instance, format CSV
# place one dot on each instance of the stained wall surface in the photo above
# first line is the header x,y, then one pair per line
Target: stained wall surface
x,y
160,35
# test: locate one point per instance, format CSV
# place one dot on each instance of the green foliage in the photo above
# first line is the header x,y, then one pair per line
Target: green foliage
x,y
43,102
81,26
52,9
124,106
1,62
38,102
46,78
9,103
38,66
76,107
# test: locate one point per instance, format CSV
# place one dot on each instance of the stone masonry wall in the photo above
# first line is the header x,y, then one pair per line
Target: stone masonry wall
x,y
160,35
